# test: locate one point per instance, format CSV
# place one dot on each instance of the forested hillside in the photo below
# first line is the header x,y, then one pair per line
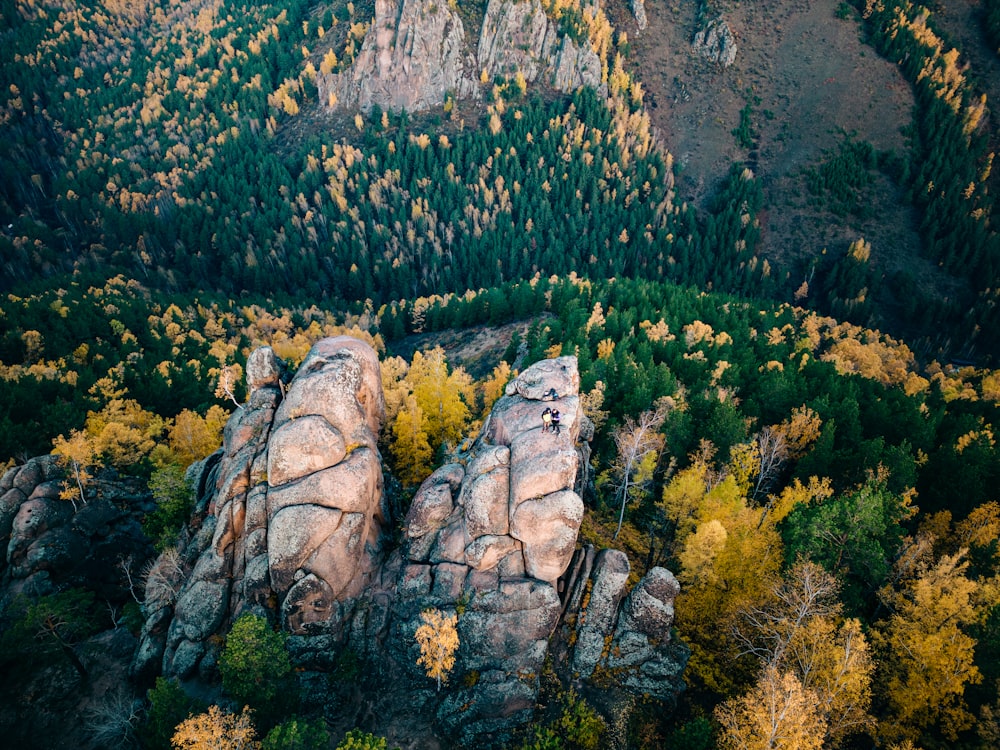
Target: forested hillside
x,y
172,195
176,150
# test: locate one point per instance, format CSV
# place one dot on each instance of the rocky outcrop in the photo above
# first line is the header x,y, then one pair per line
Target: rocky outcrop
x,y
293,530
642,655
50,544
291,522
415,54
517,37
324,482
492,536
716,42
296,514
639,11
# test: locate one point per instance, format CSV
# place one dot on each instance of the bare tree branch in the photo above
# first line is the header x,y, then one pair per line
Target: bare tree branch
x,y
636,440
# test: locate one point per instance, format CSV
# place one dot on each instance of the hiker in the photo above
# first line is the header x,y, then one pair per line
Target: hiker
x,y
550,395
554,418
546,419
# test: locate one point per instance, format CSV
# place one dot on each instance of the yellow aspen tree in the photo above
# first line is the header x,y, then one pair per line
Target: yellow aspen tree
x,y
801,631
193,437
410,446
744,464
493,386
722,574
443,396
78,455
682,498
990,386
592,401
123,432
216,730
980,527
438,639
800,430
394,386
778,714
837,666
697,558
928,656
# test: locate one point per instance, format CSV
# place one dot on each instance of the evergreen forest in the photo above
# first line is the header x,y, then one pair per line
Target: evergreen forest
x,y
822,475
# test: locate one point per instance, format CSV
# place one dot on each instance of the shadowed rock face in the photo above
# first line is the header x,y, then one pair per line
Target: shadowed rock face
x,y
48,544
293,531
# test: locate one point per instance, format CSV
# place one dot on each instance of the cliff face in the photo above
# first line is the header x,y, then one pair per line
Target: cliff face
x,y
415,54
292,524
294,521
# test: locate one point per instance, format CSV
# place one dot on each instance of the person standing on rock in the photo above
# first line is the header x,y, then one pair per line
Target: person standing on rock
x,y
554,418
546,419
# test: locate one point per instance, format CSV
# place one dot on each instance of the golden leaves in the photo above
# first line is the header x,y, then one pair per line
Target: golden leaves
x,y
779,713
217,730
438,639
929,656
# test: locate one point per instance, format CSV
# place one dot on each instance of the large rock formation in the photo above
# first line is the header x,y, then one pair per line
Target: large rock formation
x,y
415,54
296,515
294,531
517,37
639,11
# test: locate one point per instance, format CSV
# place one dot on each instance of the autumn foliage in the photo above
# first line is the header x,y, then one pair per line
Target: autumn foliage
x,y
217,729
438,639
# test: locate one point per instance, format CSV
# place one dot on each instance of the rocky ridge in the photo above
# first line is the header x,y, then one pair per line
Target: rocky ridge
x,y
292,523
415,55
